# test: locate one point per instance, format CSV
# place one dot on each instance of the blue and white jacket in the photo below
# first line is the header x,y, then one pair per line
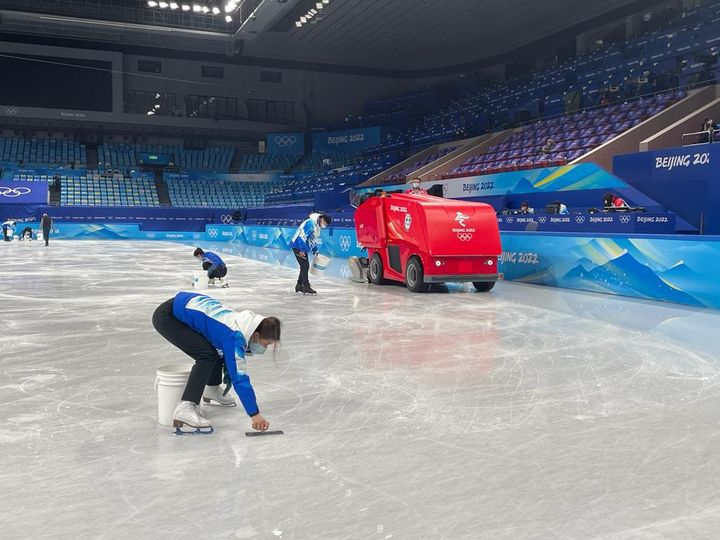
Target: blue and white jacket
x,y
213,259
307,235
229,331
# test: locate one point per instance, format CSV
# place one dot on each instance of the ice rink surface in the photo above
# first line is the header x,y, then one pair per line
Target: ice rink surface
x,y
527,412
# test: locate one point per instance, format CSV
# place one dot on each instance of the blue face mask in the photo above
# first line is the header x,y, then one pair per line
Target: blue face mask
x,y
257,348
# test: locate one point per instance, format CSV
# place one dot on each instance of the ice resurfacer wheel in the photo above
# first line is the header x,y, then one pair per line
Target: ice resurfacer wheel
x,y
483,286
375,272
414,275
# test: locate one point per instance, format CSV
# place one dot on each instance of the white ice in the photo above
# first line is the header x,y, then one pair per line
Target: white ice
x,y
527,412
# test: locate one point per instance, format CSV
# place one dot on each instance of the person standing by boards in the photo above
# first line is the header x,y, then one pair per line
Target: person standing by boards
x,y
46,223
415,188
304,241
200,326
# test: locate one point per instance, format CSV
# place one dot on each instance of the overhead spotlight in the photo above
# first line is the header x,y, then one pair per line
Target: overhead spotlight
x,y
228,18
230,7
157,95
326,2
149,113
173,5
298,24
303,20
319,5
185,7
163,5
152,3
313,11
205,9
196,8
215,10
309,15
157,106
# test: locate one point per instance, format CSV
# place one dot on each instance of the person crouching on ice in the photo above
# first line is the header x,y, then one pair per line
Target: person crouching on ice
x,y
304,241
200,326
214,265
415,188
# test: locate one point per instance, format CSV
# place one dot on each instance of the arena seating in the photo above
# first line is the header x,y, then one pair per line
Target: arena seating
x,y
35,152
267,162
653,62
306,188
100,189
560,140
402,175
213,193
125,156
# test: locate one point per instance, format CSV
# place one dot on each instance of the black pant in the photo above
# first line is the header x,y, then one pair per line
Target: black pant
x,y
220,271
304,263
46,235
208,363
6,235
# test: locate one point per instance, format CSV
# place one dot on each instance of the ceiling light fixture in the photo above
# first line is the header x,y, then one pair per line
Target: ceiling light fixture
x,y
228,18
163,5
185,7
152,3
196,8
215,10
173,5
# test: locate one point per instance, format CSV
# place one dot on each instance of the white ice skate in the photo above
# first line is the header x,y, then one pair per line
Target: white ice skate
x,y
187,419
213,396
211,282
223,283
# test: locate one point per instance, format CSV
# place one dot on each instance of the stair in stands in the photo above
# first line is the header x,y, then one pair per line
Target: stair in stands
x,y
54,194
236,162
162,190
92,156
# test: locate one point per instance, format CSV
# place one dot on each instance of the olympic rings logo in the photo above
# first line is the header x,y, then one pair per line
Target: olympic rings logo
x,y
226,219
345,243
13,192
542,219
509,219
12,111
285,141
625,219
579,219
464,237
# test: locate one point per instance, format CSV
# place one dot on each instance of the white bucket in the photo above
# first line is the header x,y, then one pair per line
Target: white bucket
x,y
200,281
39,235
169,385
319,265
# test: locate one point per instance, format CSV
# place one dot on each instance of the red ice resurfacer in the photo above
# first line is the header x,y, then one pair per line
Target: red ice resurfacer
x,y
420,240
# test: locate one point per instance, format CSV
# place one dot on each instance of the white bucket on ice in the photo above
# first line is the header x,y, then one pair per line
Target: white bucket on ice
x,y
319,265
40,235
200,281
170,383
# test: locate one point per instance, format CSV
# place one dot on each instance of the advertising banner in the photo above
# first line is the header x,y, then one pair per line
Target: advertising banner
x,y
23,192
285,143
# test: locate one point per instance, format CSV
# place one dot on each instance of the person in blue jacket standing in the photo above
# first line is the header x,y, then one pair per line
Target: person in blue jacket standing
x,y
304,241
215,336
213,265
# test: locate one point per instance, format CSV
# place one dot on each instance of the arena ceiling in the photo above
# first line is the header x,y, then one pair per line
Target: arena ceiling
x,y
402,35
